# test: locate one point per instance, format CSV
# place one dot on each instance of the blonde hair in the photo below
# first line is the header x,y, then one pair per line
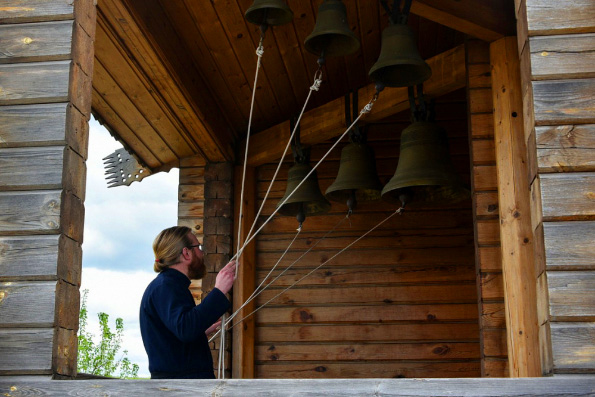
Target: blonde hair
x,y
168,245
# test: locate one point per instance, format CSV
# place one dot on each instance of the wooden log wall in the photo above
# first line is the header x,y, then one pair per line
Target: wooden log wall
x,y
556,44
402,302
45,103
488,261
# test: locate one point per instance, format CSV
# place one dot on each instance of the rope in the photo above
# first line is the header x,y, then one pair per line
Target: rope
x,y
315,86
398,211
258,292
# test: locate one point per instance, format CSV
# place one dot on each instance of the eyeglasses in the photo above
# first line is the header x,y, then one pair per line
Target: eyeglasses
x,y
197,245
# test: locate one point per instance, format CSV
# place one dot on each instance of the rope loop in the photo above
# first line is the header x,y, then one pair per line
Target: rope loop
x,y
260,51
316,85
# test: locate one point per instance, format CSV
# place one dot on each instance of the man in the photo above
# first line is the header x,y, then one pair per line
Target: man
x,y
173,328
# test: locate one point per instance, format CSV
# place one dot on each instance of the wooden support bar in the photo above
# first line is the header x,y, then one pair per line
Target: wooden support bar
x,y
515,212
328,121
243,334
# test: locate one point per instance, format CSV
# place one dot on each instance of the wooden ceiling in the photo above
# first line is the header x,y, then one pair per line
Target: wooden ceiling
x,y
173,78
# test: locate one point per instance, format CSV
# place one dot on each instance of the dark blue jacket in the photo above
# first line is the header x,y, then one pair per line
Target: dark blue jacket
x,y
173,327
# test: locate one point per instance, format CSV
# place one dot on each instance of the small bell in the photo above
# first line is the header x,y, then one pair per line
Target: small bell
x,y
331,35
269,12
307,199
425,174
357,180
399,63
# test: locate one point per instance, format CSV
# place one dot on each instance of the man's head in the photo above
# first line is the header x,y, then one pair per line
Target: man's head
x,y
178,247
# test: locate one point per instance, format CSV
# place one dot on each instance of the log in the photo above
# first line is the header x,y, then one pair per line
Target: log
x,y
569,245
33,83
568,196
26,351
562,57
566,148
573,348
558,102
50,41
19,11
27,304
551,17
30,212
32,168
572,295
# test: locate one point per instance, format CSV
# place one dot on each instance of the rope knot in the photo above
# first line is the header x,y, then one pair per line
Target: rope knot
x,y
367,108
260,51
316,85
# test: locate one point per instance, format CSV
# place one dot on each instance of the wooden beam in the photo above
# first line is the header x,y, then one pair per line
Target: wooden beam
x,y
515,213
243,334
328,120
486,20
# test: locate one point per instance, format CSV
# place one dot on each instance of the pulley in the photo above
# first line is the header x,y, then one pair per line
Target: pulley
x,y
424,174
399,63
331,35
269,12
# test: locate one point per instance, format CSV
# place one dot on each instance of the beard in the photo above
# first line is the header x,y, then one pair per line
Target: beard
x,y
197,269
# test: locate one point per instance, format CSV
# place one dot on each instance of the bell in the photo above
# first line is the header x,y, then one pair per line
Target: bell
x,y
425,174
357,180
331,35
399,63
269,12
307,199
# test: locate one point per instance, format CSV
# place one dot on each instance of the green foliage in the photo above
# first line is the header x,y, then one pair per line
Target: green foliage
x,y
101,359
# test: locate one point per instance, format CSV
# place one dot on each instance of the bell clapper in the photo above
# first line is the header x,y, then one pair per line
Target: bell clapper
x,y
352,201
301,217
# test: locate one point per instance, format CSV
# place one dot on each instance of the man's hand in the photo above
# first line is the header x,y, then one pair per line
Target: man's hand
x,y
213,328
226,277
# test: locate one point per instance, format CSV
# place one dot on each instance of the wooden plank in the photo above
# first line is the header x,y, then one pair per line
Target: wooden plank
x,y
485,178
27,304
492,286
191,193
559,102
515,221
490,259
459,293
572,295
376,351
480,100
486,204
31,83
494,342
49,41
549,17
495,368
194,209
20,11
30,213
372,275
483,151
482,125
562,57
566,148
488,232
28,257
368,314
192,175
569,245
26,351
479,75
243,337
370,332
328,121
545,386
568,196
492,315
573,348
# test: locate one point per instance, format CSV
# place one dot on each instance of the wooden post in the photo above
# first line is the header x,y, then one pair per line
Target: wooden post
x,y
243,334
516,233
46,68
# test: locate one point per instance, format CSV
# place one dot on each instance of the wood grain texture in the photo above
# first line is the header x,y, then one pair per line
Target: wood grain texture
x,y
559,102
26,351
30,213
572,295
568,196
27,304
49,41
566,148
573,348
31,168
547,386
569,245
33,83
21,11
550,17
562,57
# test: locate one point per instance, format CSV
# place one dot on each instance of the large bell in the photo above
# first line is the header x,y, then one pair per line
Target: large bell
x,y
425,174
356,180
269,12
307,199
399,63
331,35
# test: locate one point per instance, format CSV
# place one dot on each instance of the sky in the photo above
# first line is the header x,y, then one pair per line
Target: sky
x,y
120,225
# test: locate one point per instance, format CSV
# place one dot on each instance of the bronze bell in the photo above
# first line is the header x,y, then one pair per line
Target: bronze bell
x,y
269,12
331,35
307,199
356,180
399,63
425,174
